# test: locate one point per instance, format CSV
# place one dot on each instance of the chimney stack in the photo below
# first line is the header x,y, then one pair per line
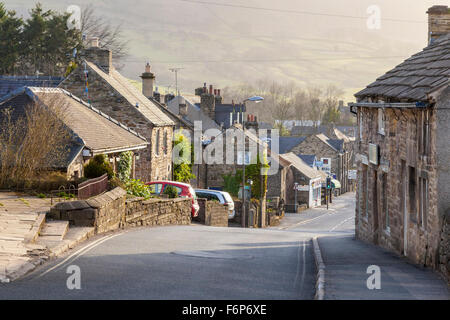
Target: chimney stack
x,y
208,103
438,22
148,80
217,96
101,57
182,107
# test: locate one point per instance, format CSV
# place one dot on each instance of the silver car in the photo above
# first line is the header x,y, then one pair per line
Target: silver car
x,y
221,196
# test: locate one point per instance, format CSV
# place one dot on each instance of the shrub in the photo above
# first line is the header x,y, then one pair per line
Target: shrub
x,y
41,196
171,191
124,165
137,188
182,156
97,167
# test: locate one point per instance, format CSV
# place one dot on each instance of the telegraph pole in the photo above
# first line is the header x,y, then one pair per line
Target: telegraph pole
x,y
176,78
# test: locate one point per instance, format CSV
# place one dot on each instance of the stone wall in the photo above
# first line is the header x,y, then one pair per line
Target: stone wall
x,y
104,212
161,212
112,210
212,213
444,248
384,191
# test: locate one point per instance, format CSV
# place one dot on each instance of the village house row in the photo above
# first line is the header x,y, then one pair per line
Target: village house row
x,y
403,153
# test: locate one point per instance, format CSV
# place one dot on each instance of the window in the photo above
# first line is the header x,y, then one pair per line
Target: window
x,y
157,142
424,134
412,192
381,121
247,157
179,190
360,125
155,188
165,142
423,202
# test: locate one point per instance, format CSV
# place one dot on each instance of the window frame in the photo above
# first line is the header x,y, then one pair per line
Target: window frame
x,y
381,121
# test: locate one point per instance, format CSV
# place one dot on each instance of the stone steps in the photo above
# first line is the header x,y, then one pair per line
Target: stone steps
x,y
73,237
54,230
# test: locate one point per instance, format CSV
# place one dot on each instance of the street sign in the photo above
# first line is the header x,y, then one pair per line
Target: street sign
x,y
352,174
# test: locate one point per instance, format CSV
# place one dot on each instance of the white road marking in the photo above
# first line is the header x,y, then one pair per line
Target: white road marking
x,y
303,222
303,267
340,223
78,253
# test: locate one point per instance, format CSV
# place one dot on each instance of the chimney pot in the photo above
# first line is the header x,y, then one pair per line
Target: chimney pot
x,y
147,67
218,92
215,92
210,89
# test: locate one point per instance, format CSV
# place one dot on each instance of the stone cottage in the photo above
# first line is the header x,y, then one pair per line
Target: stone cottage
x,y
330,152
91,131
309,181
403,154
100,84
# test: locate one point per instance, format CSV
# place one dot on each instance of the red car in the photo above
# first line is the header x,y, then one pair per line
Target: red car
x,y
184,190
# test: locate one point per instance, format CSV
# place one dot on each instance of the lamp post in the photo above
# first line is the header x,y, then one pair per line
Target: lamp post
x,y
256,99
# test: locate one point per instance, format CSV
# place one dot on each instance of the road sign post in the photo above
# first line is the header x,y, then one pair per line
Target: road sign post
x,y
295,205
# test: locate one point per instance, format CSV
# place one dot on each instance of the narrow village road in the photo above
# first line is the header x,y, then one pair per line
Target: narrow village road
x,y
193,262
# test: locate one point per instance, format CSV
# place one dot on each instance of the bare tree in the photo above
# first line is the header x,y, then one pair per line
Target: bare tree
x,y
315,104
110,36
34,141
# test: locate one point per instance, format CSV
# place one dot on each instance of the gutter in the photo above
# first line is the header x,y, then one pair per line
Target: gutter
x,y
100,151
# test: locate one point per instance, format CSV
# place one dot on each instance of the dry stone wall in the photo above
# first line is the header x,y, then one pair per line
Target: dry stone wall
x,y
112,210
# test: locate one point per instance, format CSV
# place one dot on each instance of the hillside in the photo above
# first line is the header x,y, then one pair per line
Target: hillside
x,y
226,45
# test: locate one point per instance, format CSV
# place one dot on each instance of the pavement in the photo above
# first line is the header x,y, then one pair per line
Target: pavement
x,y
346,260
27,239
20,219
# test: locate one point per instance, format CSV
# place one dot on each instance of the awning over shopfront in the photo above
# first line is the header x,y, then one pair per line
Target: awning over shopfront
x,y
335,184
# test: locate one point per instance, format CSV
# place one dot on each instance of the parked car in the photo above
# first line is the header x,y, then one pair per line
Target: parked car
x,y
221,196
184,190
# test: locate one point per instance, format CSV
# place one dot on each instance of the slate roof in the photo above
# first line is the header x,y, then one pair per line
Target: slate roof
x,y
307,130
9,84
415,77
286,144
133,96
336,144
194,113
222,114
90,127
309,159
301,166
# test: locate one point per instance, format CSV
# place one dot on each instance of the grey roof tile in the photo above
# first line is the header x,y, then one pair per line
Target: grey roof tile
x,y
416,76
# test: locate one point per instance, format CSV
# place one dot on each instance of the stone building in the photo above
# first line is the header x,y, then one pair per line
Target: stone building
x,y
331,152
91,131
309,182
403,198
279,183
210,173
99,83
